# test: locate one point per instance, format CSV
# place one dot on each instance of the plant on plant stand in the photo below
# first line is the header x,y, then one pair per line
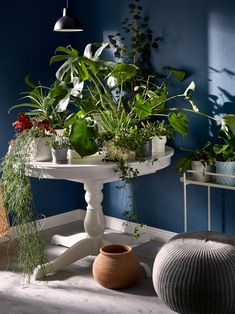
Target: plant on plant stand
x,y
200,160
18,198
225,151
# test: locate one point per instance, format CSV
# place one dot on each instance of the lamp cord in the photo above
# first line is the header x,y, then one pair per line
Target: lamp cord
x,y
67,3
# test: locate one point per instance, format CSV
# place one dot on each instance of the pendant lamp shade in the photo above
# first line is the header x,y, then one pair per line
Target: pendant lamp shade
x,y
68,23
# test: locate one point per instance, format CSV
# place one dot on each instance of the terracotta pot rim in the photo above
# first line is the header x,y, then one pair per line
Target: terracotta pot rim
x,y
107,249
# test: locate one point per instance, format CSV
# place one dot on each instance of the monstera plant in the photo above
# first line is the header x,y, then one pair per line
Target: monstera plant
x,y
100,85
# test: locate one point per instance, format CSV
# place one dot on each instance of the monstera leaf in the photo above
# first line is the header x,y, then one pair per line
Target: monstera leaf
x,y
228,121
82,137
122,72
179,122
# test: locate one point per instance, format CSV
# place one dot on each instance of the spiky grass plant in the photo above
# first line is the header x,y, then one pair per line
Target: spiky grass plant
x,y
18,199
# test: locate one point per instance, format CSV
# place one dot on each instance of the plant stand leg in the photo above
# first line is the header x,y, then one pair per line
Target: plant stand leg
x,y
87,243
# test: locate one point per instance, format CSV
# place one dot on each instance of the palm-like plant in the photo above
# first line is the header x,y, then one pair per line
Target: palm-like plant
x,y
44,102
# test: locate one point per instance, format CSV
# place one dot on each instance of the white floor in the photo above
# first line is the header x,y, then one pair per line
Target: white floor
x,y
73,290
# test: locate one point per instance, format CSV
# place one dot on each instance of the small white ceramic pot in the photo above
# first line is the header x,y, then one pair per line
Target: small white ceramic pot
x,y
39,151
158,144
59,155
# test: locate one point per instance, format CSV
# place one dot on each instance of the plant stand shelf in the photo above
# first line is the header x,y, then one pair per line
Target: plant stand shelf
x,y
187,180
93,173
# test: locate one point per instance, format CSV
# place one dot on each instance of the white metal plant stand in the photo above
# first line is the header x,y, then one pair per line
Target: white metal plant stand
x,y
189,180
93,173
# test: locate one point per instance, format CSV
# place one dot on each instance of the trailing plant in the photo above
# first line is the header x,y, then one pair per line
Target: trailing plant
x,y
18,200
126,172
130,216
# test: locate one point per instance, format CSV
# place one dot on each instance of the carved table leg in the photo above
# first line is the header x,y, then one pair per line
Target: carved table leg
x,y
87,243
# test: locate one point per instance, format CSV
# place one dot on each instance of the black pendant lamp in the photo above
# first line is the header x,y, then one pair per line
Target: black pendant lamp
x,y
68,23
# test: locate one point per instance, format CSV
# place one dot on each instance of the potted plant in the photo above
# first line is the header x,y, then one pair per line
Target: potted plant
x,y
18,198
59,148
46,103
157,134
225,151
106,90
200,160
41,131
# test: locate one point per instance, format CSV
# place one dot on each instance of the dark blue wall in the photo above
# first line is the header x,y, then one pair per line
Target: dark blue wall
x,y
198,37
27,44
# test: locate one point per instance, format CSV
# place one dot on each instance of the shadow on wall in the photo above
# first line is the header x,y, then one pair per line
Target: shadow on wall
x,y
223,102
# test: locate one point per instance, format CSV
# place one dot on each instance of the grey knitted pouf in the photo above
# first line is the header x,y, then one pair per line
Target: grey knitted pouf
x,y
194,273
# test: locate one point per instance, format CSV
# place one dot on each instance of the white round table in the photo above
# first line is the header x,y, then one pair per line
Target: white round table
x,y
93,173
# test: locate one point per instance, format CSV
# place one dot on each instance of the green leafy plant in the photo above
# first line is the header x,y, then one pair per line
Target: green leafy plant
x,y
225,151
59,142
157,128
46,103
135,28
83,135
18,200
204,155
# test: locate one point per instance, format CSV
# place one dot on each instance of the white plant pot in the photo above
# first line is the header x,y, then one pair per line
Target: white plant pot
x,y
39,151
72,155
201,169
226,168
59,155
158,144
60,132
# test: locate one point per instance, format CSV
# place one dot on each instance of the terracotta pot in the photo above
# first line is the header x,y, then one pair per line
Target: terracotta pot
x,y
116,266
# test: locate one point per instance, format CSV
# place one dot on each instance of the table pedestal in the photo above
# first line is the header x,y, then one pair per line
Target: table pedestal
x,y
81,244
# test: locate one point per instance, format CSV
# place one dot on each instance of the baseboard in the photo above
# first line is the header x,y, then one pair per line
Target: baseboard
x,y
53,221
146,233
